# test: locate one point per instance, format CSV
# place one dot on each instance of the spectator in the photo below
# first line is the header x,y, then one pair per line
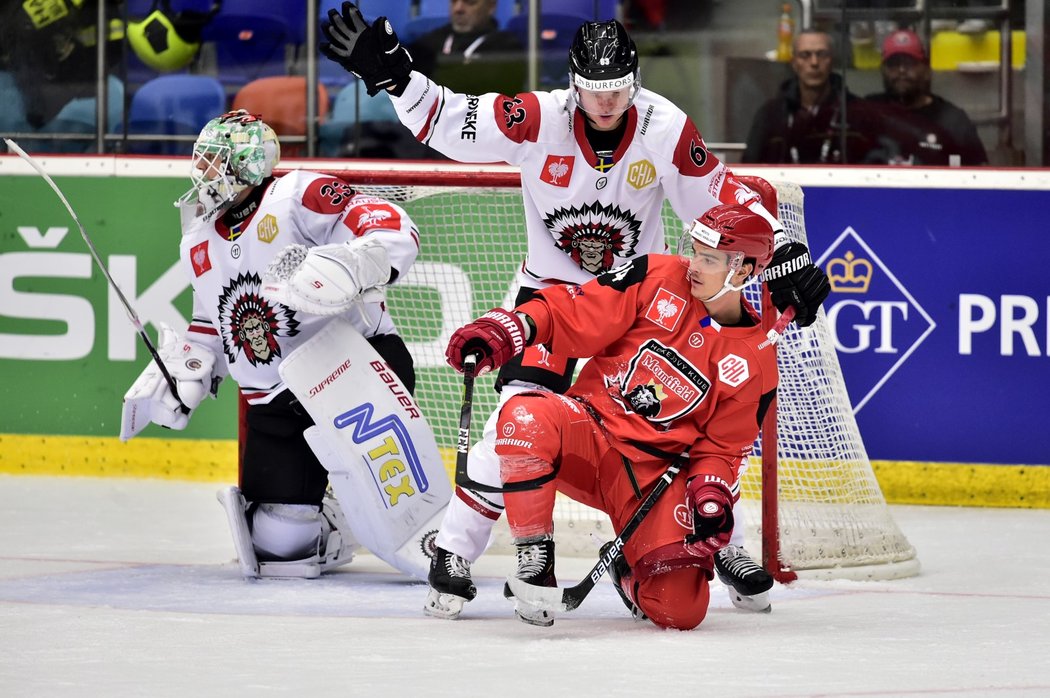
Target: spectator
x,y
802,124
51,54
471,54
919,128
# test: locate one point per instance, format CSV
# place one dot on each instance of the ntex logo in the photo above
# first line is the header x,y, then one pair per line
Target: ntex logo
x,y
869,312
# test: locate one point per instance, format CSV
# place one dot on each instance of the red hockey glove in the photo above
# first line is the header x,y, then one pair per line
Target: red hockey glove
x,y
496,337
711,504
794,280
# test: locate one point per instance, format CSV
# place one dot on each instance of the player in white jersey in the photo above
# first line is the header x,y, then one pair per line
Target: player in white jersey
x,y
239,222
597,162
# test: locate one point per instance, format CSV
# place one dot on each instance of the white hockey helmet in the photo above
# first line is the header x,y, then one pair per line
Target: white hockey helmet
x,y
233,152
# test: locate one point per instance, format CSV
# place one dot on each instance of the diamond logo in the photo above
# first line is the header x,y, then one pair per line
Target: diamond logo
x,y
876,324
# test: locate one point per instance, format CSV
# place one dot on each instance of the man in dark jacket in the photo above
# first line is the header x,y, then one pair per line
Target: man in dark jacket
x,y
804,123
918,127
471,54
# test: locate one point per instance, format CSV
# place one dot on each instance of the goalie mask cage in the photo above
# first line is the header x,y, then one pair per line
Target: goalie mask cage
x,y
810,492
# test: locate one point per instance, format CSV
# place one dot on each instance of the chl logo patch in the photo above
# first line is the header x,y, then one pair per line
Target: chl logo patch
x,y
733,370
641,174
557,170
267,230
665,310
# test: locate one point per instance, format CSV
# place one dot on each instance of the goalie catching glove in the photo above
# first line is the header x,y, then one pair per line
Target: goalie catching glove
x,y
326,280
495,337
372,53
794,281
150,400
711,505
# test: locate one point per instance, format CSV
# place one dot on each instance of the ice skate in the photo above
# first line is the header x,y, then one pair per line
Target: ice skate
x,y
747,582
535,566
450,585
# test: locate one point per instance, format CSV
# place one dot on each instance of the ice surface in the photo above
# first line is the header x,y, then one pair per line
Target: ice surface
x,y
128,588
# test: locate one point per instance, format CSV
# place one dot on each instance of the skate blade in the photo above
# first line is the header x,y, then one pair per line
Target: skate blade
x,y
528,613
445,606
759,603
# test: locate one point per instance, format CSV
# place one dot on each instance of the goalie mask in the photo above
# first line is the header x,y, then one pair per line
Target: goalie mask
x,y
603,68
233,152
738,232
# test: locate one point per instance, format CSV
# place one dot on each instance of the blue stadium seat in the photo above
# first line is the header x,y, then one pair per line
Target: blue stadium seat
x,y
556,33
419,26
250,40
505,9
174,105
397,11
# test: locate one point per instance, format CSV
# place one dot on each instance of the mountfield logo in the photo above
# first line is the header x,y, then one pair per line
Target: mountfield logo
x,y
876,324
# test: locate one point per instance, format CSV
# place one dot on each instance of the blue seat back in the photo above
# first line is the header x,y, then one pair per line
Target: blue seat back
x,y
174,105
250,43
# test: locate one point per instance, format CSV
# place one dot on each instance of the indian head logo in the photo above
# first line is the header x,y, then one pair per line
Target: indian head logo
x,y
849,274
557,170
594,235
249,325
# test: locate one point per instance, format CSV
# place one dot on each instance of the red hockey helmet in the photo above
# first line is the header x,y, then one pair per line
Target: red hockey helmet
x,y
734,228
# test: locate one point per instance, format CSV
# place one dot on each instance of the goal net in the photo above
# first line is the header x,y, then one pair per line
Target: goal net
x,y
815,503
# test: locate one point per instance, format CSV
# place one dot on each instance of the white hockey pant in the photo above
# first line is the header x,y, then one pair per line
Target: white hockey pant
x,y
466,529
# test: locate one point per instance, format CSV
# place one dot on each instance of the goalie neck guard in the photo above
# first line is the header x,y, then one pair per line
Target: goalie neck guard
x,y
603,58
233,152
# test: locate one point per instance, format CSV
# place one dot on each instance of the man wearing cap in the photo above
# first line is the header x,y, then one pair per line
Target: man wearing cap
x,y
920,128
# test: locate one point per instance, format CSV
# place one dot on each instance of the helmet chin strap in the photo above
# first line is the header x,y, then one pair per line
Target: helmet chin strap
x,y
727,287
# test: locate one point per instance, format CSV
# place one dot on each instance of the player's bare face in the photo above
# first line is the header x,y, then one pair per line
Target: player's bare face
x,y
708,269
604,109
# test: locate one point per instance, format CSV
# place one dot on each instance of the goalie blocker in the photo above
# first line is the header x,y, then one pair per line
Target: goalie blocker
x,y
370,434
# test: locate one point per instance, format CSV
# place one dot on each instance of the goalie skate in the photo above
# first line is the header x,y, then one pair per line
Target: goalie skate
x,y
748,584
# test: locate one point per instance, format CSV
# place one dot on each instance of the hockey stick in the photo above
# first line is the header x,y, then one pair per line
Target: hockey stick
x,y
463,479
567,599
105,272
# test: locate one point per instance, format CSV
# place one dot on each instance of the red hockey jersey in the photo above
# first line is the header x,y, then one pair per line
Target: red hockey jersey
x,y
663,373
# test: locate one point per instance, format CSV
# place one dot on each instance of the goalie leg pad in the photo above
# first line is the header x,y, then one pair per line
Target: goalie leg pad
x,y
371,436
233,504
338,545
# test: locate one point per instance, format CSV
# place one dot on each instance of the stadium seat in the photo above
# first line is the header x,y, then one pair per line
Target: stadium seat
x,y
505,9
251,40
556,33
281,102
173,105
397,11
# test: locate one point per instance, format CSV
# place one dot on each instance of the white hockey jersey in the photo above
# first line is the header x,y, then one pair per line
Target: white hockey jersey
x,y
585,213
225,265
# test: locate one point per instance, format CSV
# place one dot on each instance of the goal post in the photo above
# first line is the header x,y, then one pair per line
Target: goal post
x,y
810,494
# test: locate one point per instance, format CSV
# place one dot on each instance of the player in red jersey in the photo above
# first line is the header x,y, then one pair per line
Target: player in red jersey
x,y
679,364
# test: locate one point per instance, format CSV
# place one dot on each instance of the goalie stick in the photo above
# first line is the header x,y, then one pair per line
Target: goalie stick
x,y
105,272
463,479
567,599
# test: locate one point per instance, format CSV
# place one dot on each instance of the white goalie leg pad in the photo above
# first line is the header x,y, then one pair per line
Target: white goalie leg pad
x,y
290,534
383,463
233,504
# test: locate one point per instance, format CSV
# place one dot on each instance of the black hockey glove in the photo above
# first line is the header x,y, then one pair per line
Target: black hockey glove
x,y
794,280
372,53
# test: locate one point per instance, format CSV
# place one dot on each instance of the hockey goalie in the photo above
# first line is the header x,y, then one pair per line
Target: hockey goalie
x,y
288,277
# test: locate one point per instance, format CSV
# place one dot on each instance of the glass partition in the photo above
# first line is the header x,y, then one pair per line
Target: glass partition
x,y
821,81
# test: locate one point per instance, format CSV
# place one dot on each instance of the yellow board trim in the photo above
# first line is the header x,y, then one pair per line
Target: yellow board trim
x,y
902,482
